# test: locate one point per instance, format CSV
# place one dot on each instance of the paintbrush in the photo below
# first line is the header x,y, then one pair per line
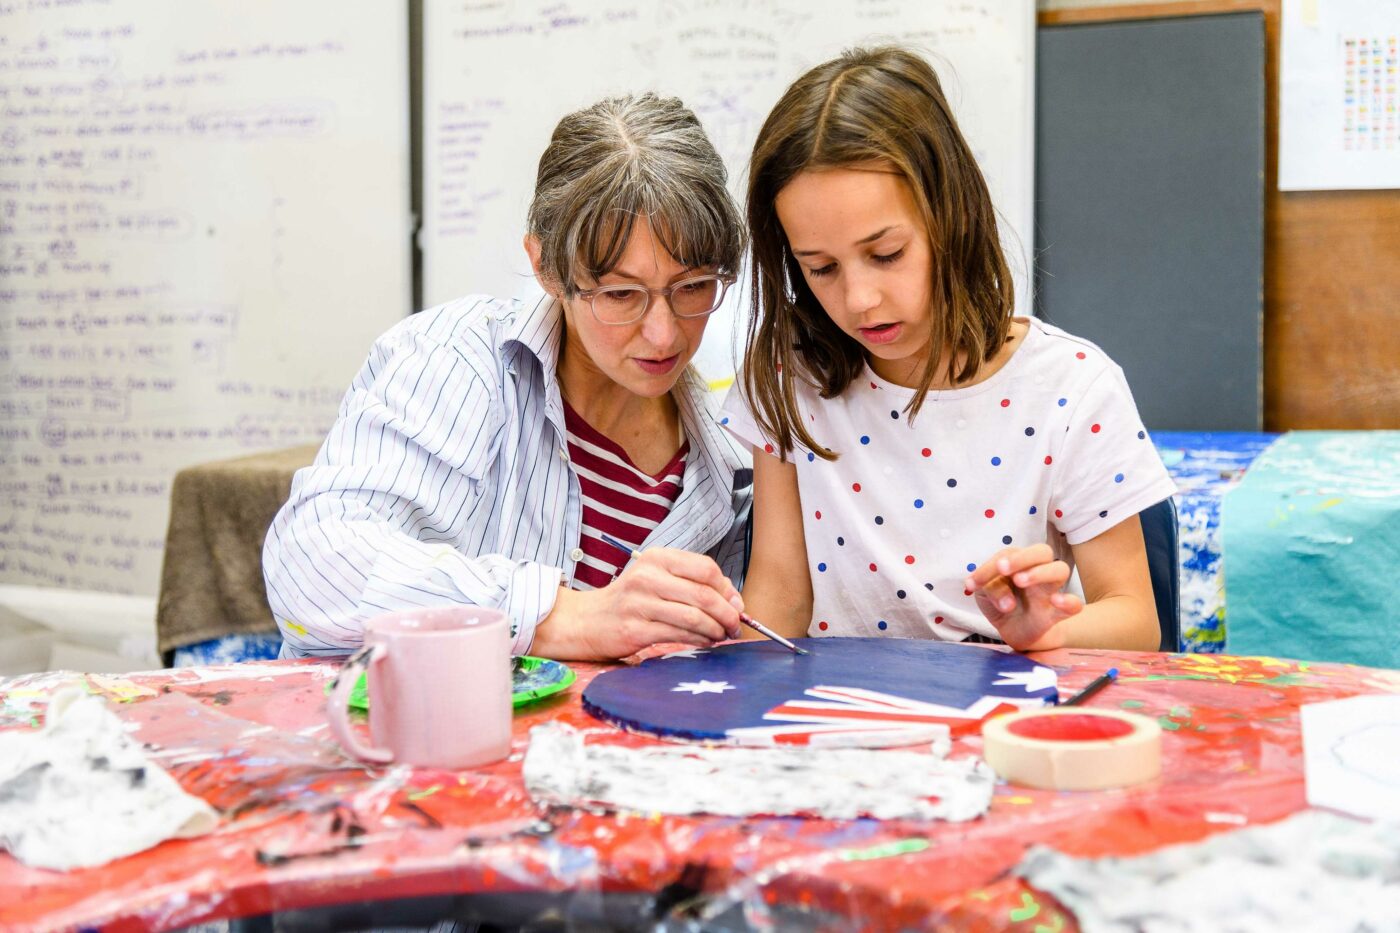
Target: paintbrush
x,y
744,617
1094,686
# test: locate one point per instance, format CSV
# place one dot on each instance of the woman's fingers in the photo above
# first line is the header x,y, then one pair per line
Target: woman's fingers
x,y
686,591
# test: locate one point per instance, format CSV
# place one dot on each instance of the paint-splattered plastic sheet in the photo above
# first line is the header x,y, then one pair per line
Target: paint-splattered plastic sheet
x,y
304,828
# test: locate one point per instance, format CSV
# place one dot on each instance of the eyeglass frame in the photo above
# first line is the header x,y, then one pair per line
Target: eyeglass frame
x,y
725,280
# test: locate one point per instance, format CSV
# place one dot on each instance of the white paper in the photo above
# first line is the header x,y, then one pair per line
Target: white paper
x,y
1351,752
1339,92
831,783
80,792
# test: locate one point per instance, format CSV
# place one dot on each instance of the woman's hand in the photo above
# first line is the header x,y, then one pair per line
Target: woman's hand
x,y
663,595
1019,592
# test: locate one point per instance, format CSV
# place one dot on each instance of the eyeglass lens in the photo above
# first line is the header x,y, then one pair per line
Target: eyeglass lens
x,y
626,303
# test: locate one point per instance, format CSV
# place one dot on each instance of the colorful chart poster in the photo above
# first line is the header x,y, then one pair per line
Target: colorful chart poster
x,y
1339,92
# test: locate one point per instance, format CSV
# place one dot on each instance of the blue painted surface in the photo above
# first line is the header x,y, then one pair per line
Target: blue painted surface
x,y
1312,538
703,694
1205,466
229,650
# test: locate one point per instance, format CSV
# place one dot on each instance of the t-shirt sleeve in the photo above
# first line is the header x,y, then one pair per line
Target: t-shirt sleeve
x,y
737,418
1109,467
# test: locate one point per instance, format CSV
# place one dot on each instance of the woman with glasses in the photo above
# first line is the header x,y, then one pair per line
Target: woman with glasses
x,y
515,455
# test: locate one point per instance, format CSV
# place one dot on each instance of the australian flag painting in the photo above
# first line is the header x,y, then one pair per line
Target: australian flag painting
x,y
853,692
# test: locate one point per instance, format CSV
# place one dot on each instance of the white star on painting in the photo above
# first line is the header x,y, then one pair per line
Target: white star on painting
x,y
703,686
1039,678
687,653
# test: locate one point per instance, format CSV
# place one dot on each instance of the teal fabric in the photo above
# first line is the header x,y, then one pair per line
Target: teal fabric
x,y
1312,549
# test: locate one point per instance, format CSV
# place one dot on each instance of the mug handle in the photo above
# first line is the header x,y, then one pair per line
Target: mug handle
x,y
338,705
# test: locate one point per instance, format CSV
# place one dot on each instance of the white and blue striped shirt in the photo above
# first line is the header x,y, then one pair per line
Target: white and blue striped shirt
x,y
446,479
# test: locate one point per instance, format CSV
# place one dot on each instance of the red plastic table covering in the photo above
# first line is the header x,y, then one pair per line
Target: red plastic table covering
x,y
304,827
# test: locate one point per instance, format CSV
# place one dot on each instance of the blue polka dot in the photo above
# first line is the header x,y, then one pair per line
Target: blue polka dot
x,y
724,420
1103,514
1030,432
1118,478
1062,402
811,456
1032,510
952,483
882,625
821,568
900,593
918,503
996,461
879,519
1142,434
1005,539
840,542
865,438
971,567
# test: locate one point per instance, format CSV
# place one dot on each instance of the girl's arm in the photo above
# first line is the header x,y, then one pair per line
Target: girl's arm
x,y
1020,592
778,588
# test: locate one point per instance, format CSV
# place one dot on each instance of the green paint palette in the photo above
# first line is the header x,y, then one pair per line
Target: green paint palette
x,y
532,679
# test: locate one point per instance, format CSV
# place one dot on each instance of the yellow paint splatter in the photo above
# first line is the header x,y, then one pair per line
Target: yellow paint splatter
x,y
1327,504
714,385
293,626
119,688
1017,800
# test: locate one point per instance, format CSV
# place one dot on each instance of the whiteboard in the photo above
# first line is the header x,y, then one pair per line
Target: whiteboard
x,y
499,75
204,223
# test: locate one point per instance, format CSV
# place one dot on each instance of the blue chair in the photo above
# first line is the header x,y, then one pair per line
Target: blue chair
x,y
1159,533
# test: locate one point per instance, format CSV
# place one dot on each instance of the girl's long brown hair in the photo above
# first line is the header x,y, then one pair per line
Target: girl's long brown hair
x,y
881,105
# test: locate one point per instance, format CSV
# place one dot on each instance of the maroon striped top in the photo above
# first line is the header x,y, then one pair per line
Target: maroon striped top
x,y
619,500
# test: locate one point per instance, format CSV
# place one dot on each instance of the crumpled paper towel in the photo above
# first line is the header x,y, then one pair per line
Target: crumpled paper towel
x,y
821,782
80,792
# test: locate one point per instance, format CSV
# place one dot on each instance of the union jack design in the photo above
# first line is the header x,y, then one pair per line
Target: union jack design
x,y
839,715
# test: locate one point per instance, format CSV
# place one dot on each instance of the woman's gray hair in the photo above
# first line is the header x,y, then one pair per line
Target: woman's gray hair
x,y
621,159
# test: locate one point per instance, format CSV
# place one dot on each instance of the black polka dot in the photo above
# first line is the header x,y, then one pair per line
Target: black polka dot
x,y
899,593
1103,514
879,519
928,586
1030,432
894,415
1005,539
952,483
840,542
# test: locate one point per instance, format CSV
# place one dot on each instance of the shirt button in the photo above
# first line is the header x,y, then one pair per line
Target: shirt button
x,y
576,554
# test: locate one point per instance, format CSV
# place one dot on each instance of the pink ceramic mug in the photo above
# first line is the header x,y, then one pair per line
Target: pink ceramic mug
x,y
439,688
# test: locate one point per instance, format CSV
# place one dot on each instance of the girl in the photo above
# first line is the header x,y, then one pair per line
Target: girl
x,y
926,464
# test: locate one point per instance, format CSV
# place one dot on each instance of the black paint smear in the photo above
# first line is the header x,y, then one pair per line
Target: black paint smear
x,y
428,818
682,897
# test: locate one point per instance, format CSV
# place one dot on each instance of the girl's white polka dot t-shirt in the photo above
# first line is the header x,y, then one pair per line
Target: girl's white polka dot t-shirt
x,y
1049,448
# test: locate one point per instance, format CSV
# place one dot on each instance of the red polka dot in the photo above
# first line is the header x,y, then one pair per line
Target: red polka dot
x,y
926,452
967,592
909,558
855,487
872,568
822,625
874,386
1095,428
990,513
1006,403
1059,514
937,620
768,448
1079,355
1048,458
819,514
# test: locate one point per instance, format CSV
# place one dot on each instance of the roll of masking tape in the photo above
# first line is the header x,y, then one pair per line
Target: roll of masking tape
x,y
1073,748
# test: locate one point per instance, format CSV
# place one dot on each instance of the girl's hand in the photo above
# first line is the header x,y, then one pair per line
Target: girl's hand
x,y
1019,592
664,595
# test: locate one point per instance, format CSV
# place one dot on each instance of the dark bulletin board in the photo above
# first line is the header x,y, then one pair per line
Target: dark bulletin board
x,y
1149,207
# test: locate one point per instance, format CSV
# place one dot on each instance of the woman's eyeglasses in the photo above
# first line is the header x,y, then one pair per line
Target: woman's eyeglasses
x,y
628,304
